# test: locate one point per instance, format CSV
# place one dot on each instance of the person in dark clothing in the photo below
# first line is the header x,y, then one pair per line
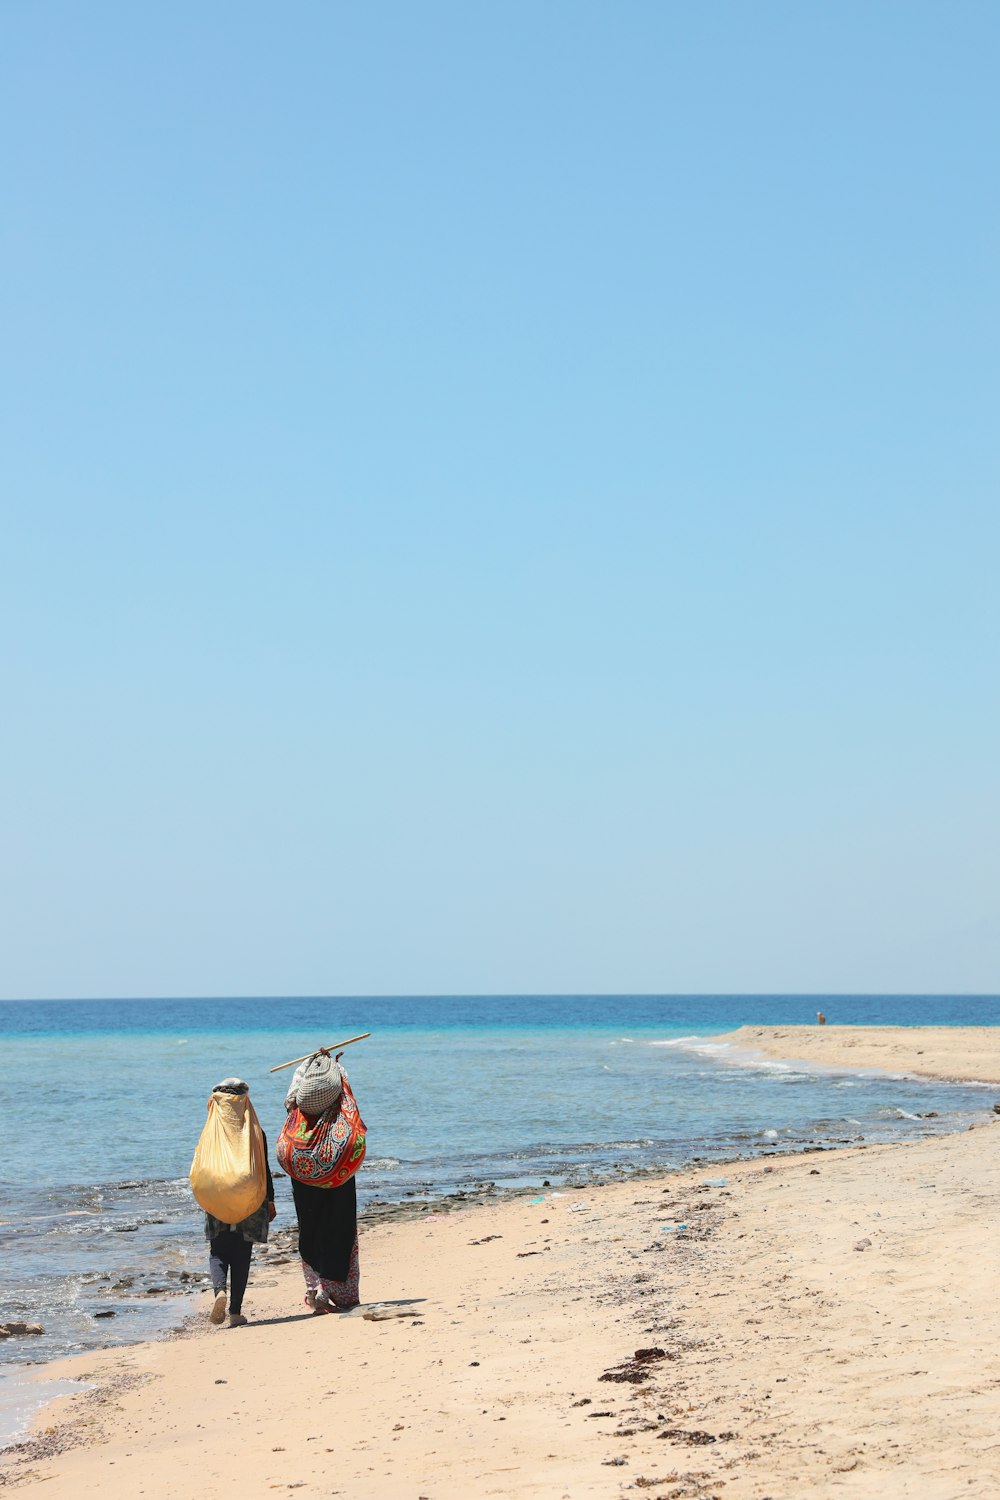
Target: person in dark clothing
x,y
328,1216
328,1244
230,1246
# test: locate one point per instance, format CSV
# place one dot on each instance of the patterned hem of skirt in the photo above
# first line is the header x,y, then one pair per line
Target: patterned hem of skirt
x,y
342,1294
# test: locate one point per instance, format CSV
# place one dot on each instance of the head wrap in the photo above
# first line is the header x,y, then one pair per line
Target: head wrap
x,y
231,1086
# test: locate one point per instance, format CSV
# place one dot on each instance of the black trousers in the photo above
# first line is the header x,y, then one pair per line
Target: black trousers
x,y
328,1226
230,1253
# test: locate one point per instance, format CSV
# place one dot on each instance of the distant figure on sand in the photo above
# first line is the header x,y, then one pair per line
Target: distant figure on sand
x,y
230,1246
820,1018
321,1146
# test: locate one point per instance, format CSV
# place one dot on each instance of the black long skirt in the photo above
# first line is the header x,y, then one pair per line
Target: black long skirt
x,y
328,1226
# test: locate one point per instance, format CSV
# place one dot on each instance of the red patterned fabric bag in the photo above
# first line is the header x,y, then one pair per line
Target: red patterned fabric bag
x,y
324,1150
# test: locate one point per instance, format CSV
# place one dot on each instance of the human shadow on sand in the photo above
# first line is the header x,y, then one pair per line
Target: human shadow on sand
x,y
371,1311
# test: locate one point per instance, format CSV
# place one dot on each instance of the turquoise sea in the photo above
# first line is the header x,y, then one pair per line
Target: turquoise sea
x,y
104,1101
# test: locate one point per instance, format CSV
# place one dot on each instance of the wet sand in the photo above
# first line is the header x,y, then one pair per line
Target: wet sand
x,y
824,1324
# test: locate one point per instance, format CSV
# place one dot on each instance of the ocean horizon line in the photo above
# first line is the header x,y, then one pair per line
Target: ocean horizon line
x,y
756,994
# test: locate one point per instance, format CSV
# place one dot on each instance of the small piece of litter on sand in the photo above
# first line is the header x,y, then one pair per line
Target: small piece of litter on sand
x,y
533,1201
715,1182
667,1227
578,1208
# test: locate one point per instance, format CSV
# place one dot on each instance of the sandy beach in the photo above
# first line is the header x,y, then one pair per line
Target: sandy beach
x,y
962,1053
824,1324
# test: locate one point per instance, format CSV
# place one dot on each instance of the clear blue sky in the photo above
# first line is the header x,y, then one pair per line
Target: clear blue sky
x,y
499,497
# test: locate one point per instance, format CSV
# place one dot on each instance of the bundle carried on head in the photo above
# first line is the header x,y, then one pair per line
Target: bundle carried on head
x,y
318,1083
229,1171
322,1141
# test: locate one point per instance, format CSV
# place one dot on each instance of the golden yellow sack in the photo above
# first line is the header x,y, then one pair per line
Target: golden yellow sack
x,y
229,1170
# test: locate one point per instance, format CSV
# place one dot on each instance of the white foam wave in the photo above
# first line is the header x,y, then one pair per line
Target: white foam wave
x,y
693,1044
702,1046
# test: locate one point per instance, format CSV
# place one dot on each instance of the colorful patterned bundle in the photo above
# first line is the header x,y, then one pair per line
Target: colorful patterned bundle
x,y
327,1150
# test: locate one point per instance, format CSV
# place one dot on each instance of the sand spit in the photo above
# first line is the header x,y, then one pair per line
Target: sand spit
x,y
966,1054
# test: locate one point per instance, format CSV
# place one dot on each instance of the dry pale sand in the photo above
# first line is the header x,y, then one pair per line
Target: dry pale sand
x,y
967,1053
826,1324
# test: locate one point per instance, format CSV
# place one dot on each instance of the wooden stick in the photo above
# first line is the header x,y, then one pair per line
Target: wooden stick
x,y
335,1047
